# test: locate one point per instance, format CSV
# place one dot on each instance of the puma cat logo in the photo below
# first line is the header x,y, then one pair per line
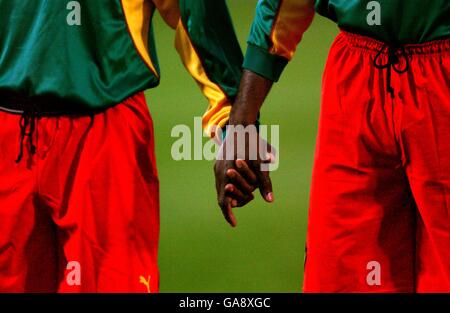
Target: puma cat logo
x,y
145,282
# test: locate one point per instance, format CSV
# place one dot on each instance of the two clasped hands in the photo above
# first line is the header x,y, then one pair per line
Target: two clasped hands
x,y
242,163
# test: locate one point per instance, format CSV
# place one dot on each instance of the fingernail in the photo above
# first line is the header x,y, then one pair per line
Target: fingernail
x,y
234,203
239,163
269,197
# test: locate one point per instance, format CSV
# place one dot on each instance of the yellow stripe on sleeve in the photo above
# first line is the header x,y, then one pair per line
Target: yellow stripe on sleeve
x,y
138,14
219,108
293,18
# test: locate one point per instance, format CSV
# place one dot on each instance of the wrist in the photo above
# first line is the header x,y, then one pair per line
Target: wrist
x,y
256,124
243,122
244,118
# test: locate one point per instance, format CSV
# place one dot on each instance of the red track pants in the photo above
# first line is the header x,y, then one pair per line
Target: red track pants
x,y
379,218
82,214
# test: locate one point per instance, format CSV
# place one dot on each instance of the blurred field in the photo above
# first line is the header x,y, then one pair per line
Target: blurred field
x,y
198,251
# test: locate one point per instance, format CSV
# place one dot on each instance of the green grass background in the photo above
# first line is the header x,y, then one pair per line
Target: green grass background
x,y
198,251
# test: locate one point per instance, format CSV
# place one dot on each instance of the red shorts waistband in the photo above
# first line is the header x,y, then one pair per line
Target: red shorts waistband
x,y
368,43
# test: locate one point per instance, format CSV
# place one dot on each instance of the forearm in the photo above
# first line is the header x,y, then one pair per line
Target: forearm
x,y
277,29
252,93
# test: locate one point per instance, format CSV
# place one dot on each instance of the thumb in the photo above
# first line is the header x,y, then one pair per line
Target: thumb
x,y
265,186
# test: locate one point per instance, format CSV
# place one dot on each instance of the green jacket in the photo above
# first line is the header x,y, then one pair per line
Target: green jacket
x,y
279,26
96,53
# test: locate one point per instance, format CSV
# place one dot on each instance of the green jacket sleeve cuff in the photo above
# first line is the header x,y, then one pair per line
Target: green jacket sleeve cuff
x,y
264,63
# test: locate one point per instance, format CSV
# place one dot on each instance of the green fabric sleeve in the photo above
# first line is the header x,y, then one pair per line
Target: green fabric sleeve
x,y
212,34
263,63
277,29
258,58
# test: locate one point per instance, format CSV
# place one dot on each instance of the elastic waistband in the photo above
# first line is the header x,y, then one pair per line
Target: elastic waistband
x,y
370,44
17,103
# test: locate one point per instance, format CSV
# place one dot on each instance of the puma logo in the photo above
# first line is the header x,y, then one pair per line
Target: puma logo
x,y
145,282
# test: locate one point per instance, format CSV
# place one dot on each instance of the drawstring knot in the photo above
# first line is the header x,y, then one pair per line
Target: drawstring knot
x,y
395,53
27,124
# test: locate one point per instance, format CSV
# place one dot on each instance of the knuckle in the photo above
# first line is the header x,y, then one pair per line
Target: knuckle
x,y
230,174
